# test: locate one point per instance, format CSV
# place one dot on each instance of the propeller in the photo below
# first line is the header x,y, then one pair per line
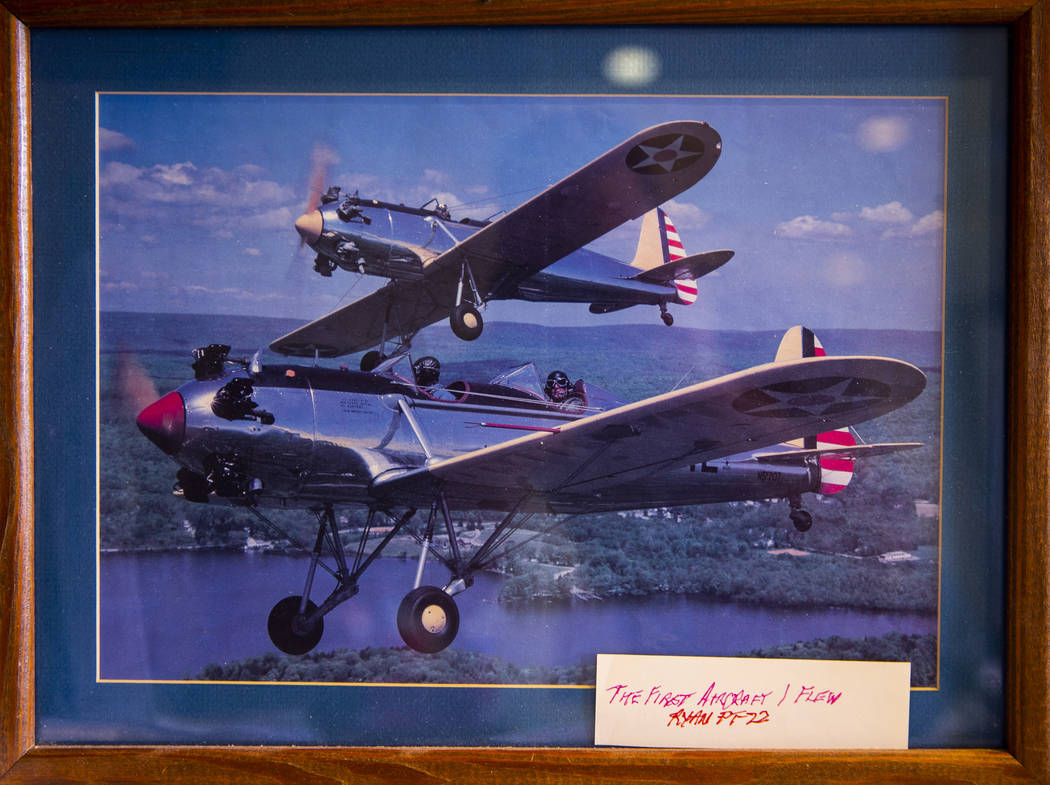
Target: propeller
x,y
322,158
135,387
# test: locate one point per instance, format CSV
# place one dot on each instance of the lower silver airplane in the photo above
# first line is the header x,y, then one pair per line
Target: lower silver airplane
x,y
396,442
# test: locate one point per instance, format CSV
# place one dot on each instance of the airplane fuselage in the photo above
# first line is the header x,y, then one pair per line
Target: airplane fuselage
x,y
303,436
393,241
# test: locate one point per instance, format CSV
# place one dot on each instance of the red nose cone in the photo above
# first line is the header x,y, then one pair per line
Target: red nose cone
x,y
164,422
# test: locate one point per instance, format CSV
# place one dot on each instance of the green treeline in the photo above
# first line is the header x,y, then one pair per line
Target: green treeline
x,y
394,666
919,650
405,666
727,557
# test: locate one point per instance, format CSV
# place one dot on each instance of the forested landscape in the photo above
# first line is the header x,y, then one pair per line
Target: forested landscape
x,y
452,666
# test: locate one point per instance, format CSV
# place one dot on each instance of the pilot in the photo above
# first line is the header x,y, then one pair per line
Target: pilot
x,y
442,212
560,392
427,371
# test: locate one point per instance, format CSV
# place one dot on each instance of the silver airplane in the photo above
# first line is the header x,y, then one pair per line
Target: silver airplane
x,y
296,436
439,267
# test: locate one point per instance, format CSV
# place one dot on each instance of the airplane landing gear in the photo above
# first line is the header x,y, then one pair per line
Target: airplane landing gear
x,y
291,632
465,318
668,319
802,519
466,322
428,619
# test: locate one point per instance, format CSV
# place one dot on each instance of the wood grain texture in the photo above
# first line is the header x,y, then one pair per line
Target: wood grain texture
x,y
95,13
1027,758
438,766
16,459
1028,556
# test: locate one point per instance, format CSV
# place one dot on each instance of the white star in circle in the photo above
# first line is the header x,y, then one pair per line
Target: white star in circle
x,y
813,403
671,154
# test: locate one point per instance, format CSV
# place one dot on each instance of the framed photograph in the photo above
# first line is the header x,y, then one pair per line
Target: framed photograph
x,y
180,154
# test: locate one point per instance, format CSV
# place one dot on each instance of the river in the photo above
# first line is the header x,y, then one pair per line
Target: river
x,y
167,615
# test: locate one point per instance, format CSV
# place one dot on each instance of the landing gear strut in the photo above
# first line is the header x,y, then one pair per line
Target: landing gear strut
x,y
427,618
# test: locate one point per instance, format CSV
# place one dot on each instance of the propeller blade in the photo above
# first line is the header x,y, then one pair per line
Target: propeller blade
x,y
134,385
322,158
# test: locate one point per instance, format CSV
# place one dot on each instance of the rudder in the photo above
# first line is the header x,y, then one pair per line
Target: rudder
x,y
835,471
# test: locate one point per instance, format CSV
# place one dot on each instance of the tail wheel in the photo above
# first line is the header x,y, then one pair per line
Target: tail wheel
x,y
802,519
466,322
428,619
287,630
668,319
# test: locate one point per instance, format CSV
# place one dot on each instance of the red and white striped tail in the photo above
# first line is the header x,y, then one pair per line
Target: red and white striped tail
x,y
688,290
835,471
659,243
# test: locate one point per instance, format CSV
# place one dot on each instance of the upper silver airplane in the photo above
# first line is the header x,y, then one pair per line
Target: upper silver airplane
x,y
439,267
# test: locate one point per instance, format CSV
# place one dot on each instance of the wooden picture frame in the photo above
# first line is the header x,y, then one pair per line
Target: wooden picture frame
x,y
1027,753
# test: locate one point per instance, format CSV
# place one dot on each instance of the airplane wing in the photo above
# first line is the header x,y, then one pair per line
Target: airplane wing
x,y
404,306
646,170
733,414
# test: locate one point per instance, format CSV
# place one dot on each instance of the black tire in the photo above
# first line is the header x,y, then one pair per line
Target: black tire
x,y
803,520
370,360
668,318
466,322
283,630
428,619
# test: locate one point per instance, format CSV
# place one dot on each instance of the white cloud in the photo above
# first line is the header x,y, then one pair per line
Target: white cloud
x,y
112,141
889,213
686,216
178,174
253,252
928,224
883,134
182,196
810,227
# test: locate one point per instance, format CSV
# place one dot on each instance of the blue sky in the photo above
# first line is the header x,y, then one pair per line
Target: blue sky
x,y
834,206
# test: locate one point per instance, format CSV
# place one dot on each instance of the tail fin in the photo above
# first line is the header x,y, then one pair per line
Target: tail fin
x,y
835,471
659,244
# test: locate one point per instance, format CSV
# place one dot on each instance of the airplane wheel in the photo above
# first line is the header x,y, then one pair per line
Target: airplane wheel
x,y
803,520
370,360
286,634
466,322
668,319
428,619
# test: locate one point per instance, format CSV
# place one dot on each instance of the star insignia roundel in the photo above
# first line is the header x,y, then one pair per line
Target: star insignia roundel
x,y
820,397
665,154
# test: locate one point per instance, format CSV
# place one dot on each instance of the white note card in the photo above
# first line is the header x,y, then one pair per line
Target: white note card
x,y
749,703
